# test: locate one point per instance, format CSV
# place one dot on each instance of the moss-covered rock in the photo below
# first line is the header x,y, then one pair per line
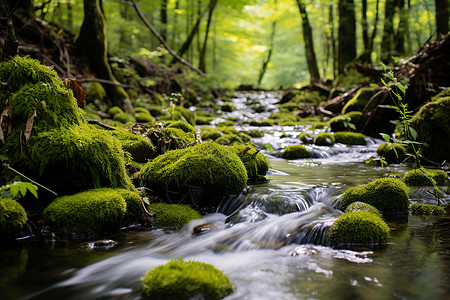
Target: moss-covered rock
x,y
419,209
389,195
183,125
227,107
350,138
254,133
140,148
124,118
305,138
143,117
210,134
115,110
95,210
359,101
295,151
284,117
171,138
392,152
229,139
202,120
12,217
361,206
417,177
134,205
254,161
324,139
172,216
341,123
432,123
359,228
186,280
179,113
210,168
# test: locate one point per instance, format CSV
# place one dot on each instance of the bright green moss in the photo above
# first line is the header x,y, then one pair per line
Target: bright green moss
x,y
392,153
305,137
210,134
140,148
165,139
229,139
78,158
261,123
284,117
389,195
173,216
212,168
254,161
295,151
95,91
186,280
124,118
361,206
350,138
359,101
141,110
254,133
324,139
183,125
227,129
143,117
201,120
156,110
115,110
341,123
12,217
179,114
416,177
133,203
419,209
290,106
90,211
359,228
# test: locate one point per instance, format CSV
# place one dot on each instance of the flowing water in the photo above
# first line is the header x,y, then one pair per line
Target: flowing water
x,y
271,240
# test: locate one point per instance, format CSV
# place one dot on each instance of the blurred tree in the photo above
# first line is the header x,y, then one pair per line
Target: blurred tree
x,y
347,33
442,16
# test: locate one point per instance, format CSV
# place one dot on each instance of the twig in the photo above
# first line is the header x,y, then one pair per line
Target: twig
x,y
95,122
38,184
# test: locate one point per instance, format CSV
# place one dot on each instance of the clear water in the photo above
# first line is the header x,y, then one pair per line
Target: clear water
x,y
271,241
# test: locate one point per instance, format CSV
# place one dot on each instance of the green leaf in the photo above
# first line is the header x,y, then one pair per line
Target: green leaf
x,y
400,87
387,106
14,189
413,133
22,188
3,157
386,137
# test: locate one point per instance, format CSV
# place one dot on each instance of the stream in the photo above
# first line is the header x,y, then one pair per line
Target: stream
x,y
271,240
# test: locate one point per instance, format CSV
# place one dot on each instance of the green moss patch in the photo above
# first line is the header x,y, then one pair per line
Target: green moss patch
x,y
12,217
295,152
173,216
359,101
350,138
140,148
419,209
186,280
324,139
417,177
341,123
392,153
254,161
361,206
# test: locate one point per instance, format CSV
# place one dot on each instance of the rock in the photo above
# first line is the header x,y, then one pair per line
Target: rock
x,y
172,216
350,138
295,152
417,177
12,217
324,139
419,209
391,152
346,121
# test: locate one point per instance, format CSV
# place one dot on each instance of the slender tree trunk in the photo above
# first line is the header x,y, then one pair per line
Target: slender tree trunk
x,y
309,43
163,13
365,56
125,38
269,54
175,32
400,35
375,29
442,16
202,59
92,42
387,41
347,33
333,41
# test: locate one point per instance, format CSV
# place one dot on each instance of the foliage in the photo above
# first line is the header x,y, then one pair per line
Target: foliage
x,y
417,177
185,280
295,151
254,161
89,211
173,216
419,209
360,228
350,138
18,189
389,195
12,217
361,206
324,139
391,152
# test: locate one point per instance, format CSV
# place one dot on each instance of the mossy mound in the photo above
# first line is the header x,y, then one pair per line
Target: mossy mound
x,y
12,217
254,133
140,148
124,118
228,107
295,152
179,113
210,168
392,152
229,139
78,158
350,138
173,216
143,117
389,195
361,206
115,110
186,280
419,209
183,125
432,123
134,205
359,101
254,161
95,210
165,139
210,134
359,228
305,138
324,139
284,117
417,177
202,120
341,123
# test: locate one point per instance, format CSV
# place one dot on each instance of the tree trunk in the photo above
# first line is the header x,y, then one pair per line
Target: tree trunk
x,y
163,12
92,42
202,59
442,16
400,35
347,34
333,41
269,55
387,41
309,44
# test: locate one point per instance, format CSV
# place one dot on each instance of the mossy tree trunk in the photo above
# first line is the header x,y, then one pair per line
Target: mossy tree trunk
x,y
92,42
347,33
442,16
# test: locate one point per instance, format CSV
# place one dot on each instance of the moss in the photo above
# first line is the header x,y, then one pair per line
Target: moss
x,y
245,137
115,110
359,228
416,177
173,216
262,123
228,107
324,139
254,161
179,114
319,125
212,134
305,138
284,117
295,151
350,138
78,158
290,106
361,206
389,195
419,209
143,117
183,280
124,118
392,152
255,133
340,123
156,110
183,125
359,101
228,130
210,167
140,148
95,210
432,123
166,139
203,120
308,97
12,217
229,139
95,91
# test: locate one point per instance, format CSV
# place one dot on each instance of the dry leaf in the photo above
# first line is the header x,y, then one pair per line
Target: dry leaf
x,y
29,127
77,90
5,123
